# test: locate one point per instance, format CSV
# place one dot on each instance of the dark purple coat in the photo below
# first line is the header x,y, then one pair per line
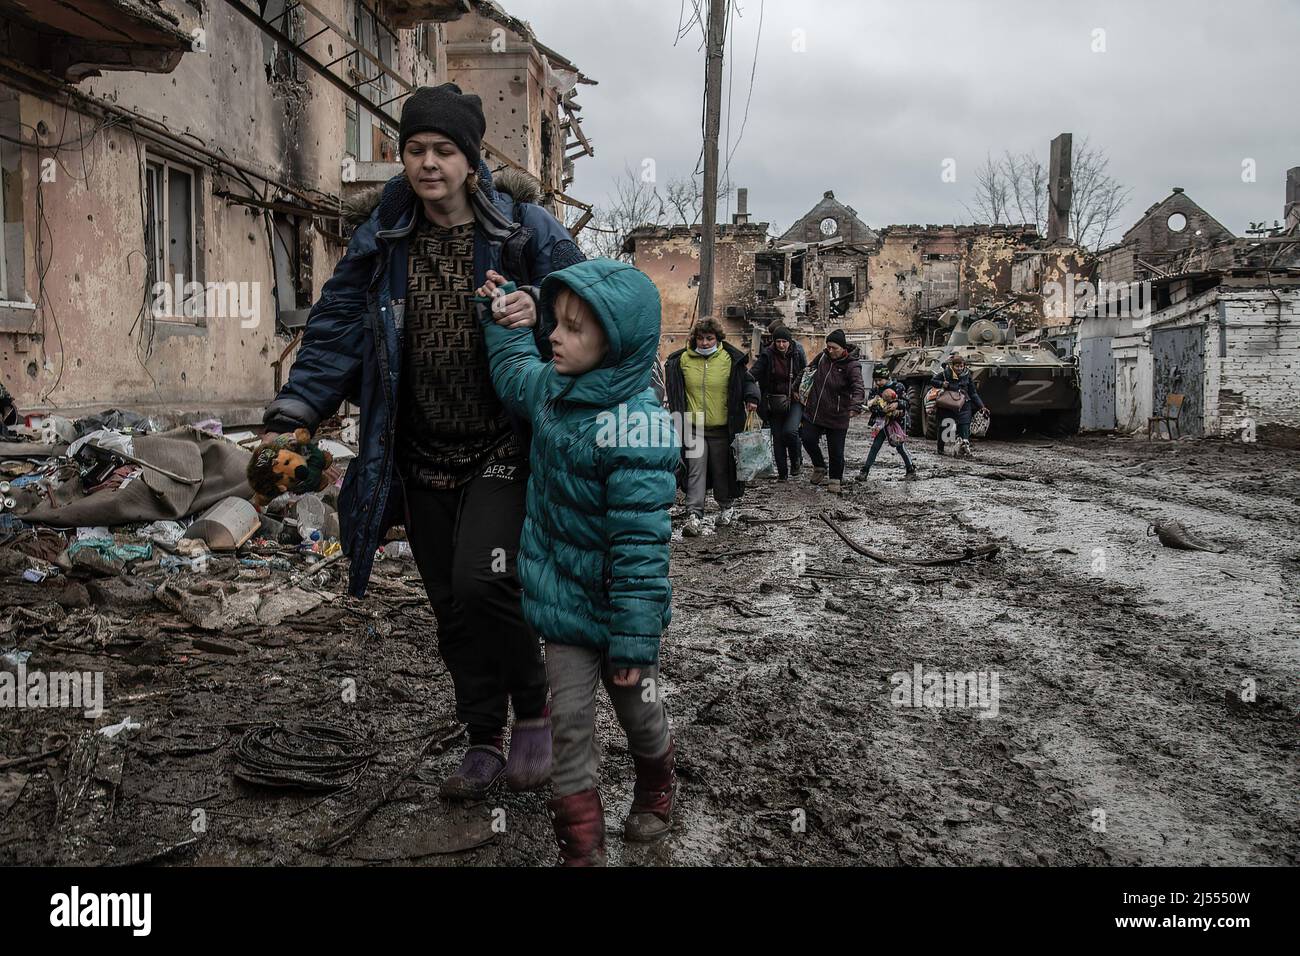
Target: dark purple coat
x,y
836,390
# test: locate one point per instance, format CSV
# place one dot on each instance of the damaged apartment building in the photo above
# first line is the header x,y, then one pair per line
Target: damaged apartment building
x,y
887,287
1179,317
176,176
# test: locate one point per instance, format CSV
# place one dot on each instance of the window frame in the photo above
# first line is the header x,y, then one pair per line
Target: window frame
x,y
158,256
4,261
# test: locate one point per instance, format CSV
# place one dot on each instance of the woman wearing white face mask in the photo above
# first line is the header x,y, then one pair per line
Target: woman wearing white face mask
x,y
711,390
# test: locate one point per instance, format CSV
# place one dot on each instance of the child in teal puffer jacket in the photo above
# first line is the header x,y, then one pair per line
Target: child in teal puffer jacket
x,y
593,557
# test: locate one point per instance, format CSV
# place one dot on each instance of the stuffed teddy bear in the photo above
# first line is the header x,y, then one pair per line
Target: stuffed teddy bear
x,y
289,462
885,405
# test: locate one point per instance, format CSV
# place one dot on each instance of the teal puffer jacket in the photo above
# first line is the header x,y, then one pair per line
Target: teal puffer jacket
x,y
593,557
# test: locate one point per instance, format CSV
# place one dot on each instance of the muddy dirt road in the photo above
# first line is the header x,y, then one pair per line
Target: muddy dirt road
x,y
1110,727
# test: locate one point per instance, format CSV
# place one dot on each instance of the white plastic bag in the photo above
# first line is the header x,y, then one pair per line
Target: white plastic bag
x,y
754,456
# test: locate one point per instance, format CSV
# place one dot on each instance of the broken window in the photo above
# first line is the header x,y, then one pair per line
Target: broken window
x,y
4,224
374,142
841,296
425,36
292,271
170,233
11,201
281,62
352,133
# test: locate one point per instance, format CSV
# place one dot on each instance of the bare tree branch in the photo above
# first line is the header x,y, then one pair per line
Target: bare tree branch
x,y
1027,179
635,203
1017,183
686,197
991,191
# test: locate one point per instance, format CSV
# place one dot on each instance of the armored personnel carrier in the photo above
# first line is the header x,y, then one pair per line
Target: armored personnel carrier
x,y
1024,384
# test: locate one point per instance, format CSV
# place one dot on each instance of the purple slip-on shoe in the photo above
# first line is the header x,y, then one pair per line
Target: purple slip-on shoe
x,y
529,765
478,771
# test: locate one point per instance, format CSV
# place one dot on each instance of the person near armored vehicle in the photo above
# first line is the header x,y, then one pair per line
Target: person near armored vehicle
x,y
887,408
957,401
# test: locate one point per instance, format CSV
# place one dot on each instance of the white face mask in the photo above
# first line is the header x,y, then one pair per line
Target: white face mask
x,y
703,351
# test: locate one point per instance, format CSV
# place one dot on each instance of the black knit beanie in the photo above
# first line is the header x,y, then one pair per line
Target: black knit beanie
x,y
838,338
781,332
445,109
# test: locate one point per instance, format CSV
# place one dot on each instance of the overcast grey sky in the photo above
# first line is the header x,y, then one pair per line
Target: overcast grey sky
x,y
887,89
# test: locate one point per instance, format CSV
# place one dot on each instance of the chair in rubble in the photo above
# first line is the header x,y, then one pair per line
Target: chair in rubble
x,y
1168,418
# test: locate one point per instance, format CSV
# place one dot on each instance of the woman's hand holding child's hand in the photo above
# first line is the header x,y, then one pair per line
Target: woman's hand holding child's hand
x,y
626,676
514,310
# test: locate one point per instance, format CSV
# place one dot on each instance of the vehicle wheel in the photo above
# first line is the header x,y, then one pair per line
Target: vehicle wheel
x,y
1070,421
1059,423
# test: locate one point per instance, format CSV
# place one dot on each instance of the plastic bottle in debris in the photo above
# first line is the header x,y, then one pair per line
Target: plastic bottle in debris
x,y
314,515
400,550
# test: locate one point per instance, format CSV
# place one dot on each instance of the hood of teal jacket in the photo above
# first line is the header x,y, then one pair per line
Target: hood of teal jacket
x,y
627,304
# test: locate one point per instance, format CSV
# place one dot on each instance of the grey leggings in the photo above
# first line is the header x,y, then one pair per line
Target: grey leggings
x,y
573,673
714,463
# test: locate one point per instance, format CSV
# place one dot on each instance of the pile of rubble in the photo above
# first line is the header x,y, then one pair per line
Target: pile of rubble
x,y
112,510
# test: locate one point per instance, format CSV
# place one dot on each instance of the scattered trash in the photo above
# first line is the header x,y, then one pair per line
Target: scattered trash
x,y
306,756
219,647
271,528
316,520
401,550
55,429
338,450
108,547
15,659
1174,534
125,724
104,441
35,575
226,525
165,533
119,420
281,605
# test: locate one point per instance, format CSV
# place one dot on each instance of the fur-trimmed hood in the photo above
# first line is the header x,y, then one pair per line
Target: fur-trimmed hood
x,y
519,185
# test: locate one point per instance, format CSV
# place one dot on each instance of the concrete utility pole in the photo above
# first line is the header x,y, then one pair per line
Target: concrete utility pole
x,y
712,119
1060,188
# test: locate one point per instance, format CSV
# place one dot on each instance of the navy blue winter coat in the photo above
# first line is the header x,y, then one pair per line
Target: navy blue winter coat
x,y
352,345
